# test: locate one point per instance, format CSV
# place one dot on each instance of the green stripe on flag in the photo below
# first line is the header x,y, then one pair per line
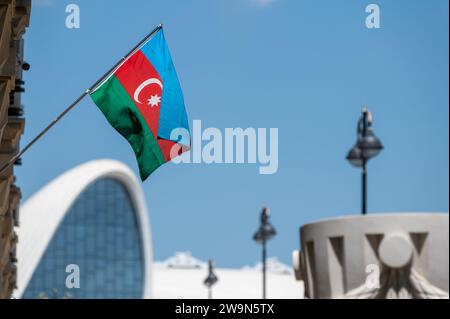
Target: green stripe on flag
x,y
121,112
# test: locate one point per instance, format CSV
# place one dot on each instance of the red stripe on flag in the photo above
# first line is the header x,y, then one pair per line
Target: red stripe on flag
x,y
166,146
143,84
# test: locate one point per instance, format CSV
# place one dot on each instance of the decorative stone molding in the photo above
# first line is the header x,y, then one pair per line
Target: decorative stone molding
x,y
408,253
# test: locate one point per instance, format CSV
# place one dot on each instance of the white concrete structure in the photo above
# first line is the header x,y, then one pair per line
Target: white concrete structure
x,y
405,254
41,215
182,277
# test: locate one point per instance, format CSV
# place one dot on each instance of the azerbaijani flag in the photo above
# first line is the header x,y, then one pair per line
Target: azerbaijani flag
x,y
143,101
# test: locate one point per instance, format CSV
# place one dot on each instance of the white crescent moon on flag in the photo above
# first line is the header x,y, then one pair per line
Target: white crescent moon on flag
x,y
143,85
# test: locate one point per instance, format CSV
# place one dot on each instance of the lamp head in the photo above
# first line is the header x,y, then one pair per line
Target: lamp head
x,y
265,231
211,279
367,145
354,156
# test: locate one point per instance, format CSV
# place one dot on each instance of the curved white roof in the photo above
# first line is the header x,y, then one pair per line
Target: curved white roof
x,y
41,215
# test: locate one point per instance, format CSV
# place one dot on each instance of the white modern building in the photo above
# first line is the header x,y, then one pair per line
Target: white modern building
x,y
95,216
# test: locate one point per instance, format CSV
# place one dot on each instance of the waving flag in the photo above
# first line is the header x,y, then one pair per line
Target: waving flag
x,y
143,101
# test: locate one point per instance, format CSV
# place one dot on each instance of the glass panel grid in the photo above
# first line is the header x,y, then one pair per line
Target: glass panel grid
x,y
100,234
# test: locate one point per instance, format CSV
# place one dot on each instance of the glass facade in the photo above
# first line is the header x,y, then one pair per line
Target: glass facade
x,y
99,234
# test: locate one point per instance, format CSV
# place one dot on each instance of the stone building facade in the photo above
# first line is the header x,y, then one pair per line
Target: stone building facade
x,y
14,18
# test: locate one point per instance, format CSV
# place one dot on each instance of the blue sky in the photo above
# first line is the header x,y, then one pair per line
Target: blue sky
x,y
304,67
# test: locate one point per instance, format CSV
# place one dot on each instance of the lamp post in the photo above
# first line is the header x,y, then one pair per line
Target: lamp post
x,y
211,279
366,147
265,232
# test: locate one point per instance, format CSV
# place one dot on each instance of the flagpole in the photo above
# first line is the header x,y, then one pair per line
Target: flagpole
x,y
78,100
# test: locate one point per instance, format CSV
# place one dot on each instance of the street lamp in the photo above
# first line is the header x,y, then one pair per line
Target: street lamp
x,y
265,232
366,147
211,279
